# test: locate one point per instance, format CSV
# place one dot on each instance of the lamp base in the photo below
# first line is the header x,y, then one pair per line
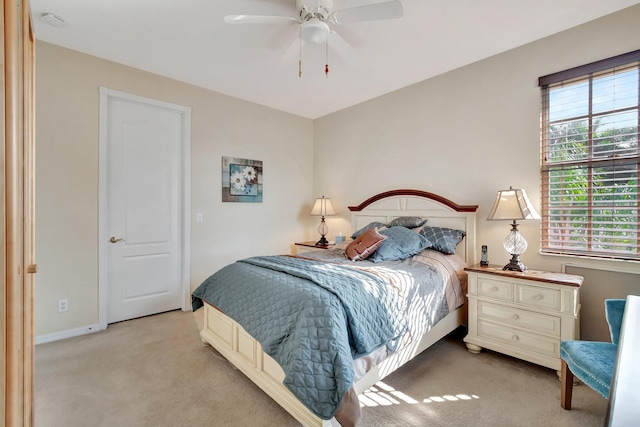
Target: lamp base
x,y
515,264
322,242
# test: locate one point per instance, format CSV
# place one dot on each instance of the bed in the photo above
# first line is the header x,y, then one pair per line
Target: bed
x,y
377,351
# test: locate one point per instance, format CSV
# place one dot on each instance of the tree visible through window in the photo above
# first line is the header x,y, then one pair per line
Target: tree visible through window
x,y
590,159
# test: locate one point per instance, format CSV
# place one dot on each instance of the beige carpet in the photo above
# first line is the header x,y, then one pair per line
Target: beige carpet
x,y
154,371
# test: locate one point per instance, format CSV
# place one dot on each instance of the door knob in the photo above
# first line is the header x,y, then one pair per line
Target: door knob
x,y
115,239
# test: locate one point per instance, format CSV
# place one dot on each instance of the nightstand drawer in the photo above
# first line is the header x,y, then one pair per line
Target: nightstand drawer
x,y
535,322
519,338
538,297
495,289
525,314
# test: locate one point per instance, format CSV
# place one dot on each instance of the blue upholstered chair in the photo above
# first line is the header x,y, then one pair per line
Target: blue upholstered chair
x,y
592,362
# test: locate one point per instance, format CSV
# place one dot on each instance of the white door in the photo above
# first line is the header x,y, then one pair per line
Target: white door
x,y
143,209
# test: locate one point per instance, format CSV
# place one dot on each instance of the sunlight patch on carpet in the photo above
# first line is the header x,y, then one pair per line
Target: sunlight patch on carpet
x,y
382,394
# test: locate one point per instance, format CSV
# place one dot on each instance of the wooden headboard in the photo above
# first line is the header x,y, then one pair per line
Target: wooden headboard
x,y
439,211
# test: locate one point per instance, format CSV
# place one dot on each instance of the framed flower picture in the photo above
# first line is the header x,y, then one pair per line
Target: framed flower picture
x,y
241,180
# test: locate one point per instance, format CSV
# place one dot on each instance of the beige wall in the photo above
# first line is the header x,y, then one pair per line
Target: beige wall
x,y
67,178
465,135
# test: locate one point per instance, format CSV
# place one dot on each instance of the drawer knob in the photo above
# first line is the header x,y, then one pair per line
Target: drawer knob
x,y
538,297
515,337
515,317
494,289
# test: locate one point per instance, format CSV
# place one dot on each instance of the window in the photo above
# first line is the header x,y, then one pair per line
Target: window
x,y
590,159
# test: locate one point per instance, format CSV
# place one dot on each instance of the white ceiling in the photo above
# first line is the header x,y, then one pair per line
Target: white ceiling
x,y
187,40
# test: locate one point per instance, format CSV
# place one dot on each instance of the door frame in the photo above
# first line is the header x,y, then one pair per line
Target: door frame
x,y
185,189
17,201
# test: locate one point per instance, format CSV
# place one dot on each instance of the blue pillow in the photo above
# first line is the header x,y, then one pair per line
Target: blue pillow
x,y
444,239
401,243
408,221
367,227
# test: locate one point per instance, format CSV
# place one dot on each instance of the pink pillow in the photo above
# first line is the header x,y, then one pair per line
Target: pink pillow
x,y
364,245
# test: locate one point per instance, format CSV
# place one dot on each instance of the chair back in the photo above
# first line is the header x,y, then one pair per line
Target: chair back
x,y
614,309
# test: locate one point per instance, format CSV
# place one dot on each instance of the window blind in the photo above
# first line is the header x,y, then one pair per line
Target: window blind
x,y
590,159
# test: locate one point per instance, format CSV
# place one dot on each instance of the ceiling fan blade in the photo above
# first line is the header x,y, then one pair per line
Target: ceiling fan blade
x,y
283,38
259,19
352,37
372,12
344,49
292,54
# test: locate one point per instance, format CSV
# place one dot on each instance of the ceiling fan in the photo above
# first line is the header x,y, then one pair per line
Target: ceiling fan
x,y
314,17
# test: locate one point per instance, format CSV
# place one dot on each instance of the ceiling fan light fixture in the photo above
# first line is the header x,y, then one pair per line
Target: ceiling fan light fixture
x,y
314,31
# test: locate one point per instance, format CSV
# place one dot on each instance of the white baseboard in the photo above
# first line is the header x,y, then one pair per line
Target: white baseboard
x,y
69,333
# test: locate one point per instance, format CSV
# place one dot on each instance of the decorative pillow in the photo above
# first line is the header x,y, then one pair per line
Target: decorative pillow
x,y
364,245
408,221
401,243
369,226
444,239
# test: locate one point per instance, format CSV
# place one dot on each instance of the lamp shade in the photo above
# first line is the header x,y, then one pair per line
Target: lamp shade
x,y
322,207
512,204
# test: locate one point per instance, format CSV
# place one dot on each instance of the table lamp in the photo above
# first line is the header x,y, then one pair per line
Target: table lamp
x,y
323,208
513,204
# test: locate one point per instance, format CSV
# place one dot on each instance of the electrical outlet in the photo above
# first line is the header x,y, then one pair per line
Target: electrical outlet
x,y
199,217
63,305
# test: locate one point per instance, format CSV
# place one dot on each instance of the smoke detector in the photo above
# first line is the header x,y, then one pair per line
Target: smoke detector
x,y
53,20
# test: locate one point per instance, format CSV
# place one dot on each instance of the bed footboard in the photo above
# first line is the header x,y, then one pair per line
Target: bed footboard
x,y
245,353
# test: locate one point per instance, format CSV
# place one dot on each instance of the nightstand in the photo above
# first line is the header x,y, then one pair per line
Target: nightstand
x,y
522,314
300,247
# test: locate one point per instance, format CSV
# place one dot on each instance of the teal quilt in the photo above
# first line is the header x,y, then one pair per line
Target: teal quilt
x,y
312,317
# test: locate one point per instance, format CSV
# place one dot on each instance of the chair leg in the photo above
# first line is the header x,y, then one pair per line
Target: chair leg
x,y
566,388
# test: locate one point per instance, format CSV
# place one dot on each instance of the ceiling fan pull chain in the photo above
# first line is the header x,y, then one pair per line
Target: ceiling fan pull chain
x,y
326,65
300,56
